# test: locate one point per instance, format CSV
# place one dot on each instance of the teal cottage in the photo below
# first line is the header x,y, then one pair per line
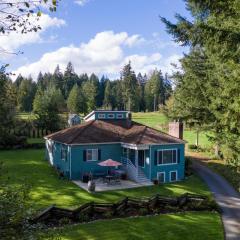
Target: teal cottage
x,y
145,153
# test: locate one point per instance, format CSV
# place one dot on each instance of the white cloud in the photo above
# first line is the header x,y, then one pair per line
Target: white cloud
x,y
103,54
14,40
81,2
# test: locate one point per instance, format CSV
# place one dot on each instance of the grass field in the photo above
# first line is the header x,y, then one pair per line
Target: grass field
x,y
189,226
160,121
47,188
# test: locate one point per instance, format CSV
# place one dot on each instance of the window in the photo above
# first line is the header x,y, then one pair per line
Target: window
x,y
161,177
92,155
101,116
167,157
110,115
173,176
120,115
64,153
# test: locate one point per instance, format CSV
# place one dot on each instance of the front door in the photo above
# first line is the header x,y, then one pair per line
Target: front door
x,y
141,158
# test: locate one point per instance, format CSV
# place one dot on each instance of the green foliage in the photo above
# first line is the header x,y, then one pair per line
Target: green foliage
x,y
90,90
26,92
7,106
46,106
76,102
207,90
108,97
130,87
157,91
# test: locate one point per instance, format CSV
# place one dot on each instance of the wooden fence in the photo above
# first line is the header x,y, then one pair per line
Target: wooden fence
x,y
127,207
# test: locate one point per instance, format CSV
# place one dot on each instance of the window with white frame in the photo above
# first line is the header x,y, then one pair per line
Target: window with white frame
x,y
168,156
110,115
92,155
64,153
120,115
173,176
101,116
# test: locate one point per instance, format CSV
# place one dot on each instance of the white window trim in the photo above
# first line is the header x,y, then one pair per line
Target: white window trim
x,y
144,160
120,115
176,176
164,173
92,149
110,115
63,148
164,164
101,115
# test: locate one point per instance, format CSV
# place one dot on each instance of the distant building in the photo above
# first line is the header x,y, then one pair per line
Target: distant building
x,y
73,119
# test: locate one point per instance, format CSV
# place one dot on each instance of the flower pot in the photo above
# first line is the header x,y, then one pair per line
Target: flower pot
x,y
91,186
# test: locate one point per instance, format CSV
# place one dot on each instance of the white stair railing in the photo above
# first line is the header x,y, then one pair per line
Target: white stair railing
x,y
131,170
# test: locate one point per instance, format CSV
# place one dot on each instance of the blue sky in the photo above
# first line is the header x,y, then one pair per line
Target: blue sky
x,y
99,36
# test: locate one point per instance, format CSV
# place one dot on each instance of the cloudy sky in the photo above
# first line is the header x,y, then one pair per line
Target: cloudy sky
x,y
98,36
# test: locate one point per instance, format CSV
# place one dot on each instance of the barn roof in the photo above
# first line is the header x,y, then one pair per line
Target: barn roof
x,y
98,131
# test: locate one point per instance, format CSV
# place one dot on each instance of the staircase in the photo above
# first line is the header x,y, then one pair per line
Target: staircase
x,y
135,173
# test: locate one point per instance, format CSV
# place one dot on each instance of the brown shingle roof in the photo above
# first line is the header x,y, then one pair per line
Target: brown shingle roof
x,y
98,131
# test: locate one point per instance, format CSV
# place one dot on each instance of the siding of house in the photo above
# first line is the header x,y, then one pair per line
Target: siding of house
x,y
79,166
179,167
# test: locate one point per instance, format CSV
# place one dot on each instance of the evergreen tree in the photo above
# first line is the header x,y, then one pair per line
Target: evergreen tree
x,y
213,37
18,81
57,78
40,81
154,91
76,102
69,79
108,98
91,93
130,89
7,107
26,93
46,107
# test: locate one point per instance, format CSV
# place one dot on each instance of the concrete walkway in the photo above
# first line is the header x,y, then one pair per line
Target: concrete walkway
x,y
226,197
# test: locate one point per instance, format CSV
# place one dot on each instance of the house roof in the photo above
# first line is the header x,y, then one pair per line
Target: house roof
x,y
98,131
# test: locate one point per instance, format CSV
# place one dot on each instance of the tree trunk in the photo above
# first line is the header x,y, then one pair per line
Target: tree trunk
x,y
197,138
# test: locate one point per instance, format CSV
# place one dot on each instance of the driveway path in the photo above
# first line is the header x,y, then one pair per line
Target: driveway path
x,y
226,197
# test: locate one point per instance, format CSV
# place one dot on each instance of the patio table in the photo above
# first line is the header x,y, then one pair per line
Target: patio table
x,y
109,178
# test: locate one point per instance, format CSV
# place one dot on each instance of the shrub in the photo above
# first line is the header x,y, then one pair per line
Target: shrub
x,y
192,147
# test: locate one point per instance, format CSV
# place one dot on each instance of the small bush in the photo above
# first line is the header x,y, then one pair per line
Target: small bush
x,y
192,147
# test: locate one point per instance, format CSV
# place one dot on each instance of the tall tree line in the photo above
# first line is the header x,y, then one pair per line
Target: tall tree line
x,y
83,93
207,91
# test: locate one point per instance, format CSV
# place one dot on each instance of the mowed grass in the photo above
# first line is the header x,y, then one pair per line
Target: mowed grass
x,y
160,122
46,188
183,226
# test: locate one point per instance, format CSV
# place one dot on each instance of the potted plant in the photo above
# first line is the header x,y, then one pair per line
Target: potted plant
x,y
155,181
91,186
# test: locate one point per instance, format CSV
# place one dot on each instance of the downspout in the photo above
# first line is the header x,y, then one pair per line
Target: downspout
x,y
150,165
70,162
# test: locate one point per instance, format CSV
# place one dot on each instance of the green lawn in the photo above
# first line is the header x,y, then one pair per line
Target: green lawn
x,y
189,226
47,189
159,121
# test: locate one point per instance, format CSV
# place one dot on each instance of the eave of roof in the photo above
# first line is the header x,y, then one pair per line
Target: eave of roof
x,y
98,131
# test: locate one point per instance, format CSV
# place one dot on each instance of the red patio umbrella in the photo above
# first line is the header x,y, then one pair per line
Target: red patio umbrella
x,y
109,163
